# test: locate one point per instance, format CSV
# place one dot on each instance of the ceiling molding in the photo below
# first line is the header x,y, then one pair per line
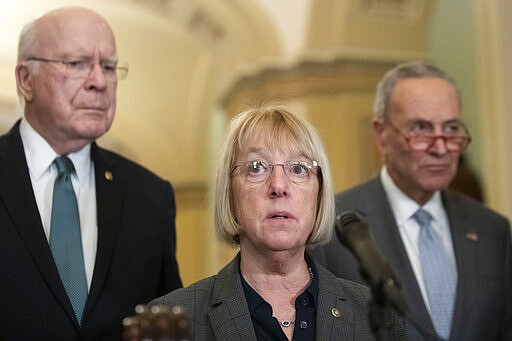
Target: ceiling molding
x,y
311,74
394,9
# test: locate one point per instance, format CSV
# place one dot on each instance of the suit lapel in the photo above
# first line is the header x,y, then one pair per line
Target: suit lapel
x,y
335,319
109,200
466,256
16,188
377,212
230,317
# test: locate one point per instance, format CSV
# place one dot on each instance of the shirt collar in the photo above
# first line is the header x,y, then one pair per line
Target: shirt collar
x,y
404,207
40,154
254,300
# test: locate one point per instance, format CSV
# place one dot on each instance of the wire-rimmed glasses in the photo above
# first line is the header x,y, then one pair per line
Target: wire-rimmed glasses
x,y
258,171
112,71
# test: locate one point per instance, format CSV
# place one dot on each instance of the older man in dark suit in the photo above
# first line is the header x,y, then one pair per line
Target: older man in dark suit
x,y
85,234
452,256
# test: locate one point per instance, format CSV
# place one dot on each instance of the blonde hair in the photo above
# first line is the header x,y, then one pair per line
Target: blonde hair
x,y
279,129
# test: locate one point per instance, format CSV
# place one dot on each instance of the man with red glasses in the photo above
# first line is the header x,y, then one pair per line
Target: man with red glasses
x,y
451,255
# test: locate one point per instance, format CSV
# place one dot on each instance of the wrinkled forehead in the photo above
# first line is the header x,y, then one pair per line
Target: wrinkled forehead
x,y
75,31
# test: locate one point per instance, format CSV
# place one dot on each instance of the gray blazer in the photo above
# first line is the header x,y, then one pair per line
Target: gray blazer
x,y
218,310
483,252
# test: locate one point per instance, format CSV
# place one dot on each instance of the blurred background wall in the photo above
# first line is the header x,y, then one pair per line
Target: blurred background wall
x,y
195,63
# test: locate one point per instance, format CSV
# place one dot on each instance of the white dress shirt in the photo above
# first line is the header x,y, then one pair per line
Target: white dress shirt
x,y
403,209
40,156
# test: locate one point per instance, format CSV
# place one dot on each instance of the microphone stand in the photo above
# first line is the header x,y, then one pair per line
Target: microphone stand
x,y
386,298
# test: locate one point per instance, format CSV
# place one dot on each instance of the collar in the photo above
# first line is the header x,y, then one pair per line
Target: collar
x,y
404,207
254,300
40,154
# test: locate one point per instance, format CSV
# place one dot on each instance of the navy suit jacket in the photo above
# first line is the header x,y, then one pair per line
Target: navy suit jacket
x,y
135,260
483,252
218,309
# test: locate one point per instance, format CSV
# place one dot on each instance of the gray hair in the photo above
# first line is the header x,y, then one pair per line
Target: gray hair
x,y
415,69
27,42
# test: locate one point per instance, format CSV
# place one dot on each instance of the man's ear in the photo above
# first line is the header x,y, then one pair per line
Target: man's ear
x,y
379,135
24,81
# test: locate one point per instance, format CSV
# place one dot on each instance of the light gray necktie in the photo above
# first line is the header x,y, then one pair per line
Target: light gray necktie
x,y
65,238
438,275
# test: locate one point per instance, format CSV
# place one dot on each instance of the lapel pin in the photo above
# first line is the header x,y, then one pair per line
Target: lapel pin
x,y
473,236
109,176
335,312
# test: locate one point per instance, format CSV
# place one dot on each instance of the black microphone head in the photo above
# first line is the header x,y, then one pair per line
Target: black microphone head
x,y
355,235
348,217
350,229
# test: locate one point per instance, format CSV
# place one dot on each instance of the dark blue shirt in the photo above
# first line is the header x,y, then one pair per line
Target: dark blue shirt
x,y
267,327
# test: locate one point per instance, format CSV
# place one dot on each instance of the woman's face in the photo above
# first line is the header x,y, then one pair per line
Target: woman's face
x,y
276,211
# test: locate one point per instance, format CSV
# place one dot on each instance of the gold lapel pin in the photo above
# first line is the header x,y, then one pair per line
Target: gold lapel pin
x,y
335,312
109,176
473,236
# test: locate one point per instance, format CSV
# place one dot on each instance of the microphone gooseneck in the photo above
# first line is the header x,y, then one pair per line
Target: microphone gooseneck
x,y
354,234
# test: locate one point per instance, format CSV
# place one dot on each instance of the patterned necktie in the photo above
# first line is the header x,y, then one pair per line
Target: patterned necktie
x,y
438,276
65,238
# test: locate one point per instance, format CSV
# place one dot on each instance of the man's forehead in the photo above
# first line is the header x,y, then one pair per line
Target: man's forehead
x,y
84,36
73,21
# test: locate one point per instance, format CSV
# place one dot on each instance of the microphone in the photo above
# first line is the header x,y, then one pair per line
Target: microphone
x,y
355,236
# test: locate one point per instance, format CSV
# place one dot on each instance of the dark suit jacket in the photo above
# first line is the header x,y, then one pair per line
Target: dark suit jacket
x,y
482,244
135,260
218,309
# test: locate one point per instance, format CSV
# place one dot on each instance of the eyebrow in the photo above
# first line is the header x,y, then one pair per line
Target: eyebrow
x,y
86,56
453,120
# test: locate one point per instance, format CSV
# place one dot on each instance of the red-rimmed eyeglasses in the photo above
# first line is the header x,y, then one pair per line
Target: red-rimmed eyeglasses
x,y
420,137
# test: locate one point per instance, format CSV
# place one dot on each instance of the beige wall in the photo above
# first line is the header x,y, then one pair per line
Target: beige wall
x,y
343,121
194,63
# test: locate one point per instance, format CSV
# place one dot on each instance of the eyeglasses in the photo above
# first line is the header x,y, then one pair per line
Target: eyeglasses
x,y
82,69
421,139
259,171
